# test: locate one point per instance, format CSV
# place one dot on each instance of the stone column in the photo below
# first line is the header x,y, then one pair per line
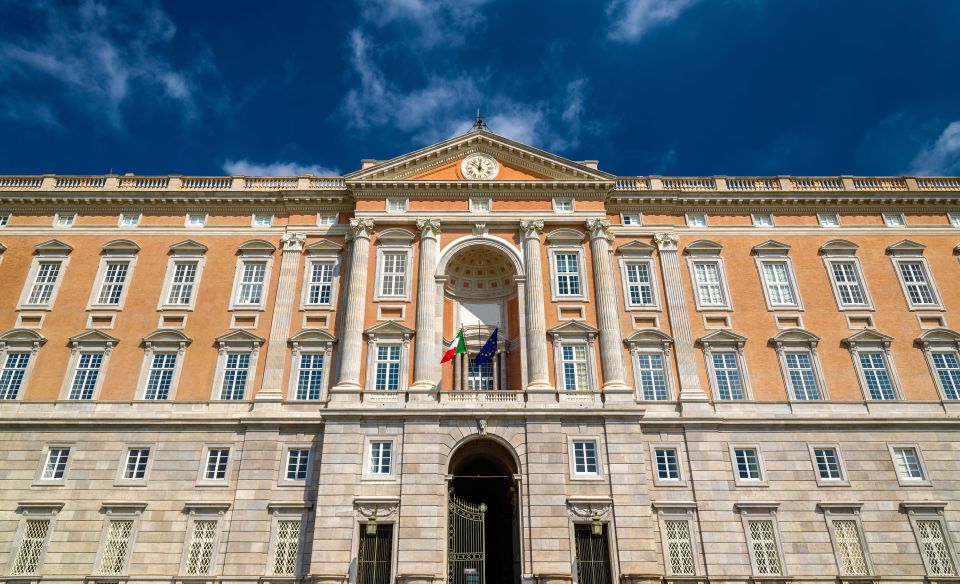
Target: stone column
x,y
271,390
608,314
351,346
690,389
536,320
426,365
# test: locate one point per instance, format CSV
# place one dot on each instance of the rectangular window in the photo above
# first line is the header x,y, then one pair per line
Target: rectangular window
x,y
585,457
12,373
727,371
748,464
893,220
388,368
947,365
668,466
954,219
393,273
55,465
160,376
679,547
479,205
375,556
762,220
396,205
30,551
196,219
914,276
763,541
803,381
136,466
85,377
287,546
828,464
563,204
639,284
846,278
65,219
182,282
113,560
298,460
873,364
935,548
310,376
630,218
217,460
262,220
828,219
853,561
327,219
235,371
114,279
130,219
906,459
480,377
381,454
696,220
200,555
4,219
653,381
44,281
568,274
709,284
779,283
321,283
574,362
253,275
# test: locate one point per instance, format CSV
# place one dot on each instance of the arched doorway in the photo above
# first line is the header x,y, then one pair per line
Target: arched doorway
x,y
483,535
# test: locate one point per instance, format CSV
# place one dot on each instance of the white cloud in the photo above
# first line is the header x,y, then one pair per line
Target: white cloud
x,y
941,157
99,55
435,22
247,168
631,19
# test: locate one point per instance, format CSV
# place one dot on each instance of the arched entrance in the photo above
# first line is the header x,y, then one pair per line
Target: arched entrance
x,y
483,518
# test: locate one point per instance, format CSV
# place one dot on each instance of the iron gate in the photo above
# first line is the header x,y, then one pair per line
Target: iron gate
x,y
375,560
593,556
466,551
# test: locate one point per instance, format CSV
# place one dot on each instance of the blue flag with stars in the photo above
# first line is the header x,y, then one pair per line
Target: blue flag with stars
x,y
489,349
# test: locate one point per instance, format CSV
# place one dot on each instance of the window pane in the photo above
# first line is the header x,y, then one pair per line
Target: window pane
x,y
85,377
235,372
568,274
679,547
874,368
136,466
160,376
847,280
574,362
321,283
182,282
727,371
709,286
297,461
653,383
288,542
934,548
908,464
44,282
380,457
914,277
27,560
252,278
310,376
946,364
217,459
748,463
56,464
764,541
114,278
388,368
668,467
585,457
200,557
11,375
828,463
779,287
639,287
849,548
393,274
802,378
114,558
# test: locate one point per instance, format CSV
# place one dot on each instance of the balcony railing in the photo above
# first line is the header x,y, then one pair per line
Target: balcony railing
x,y
460,396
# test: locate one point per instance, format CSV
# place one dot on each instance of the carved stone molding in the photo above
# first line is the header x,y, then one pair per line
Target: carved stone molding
x,y
361,227
585,507
293,241
666,241
531,228
380,508
599,228
428,227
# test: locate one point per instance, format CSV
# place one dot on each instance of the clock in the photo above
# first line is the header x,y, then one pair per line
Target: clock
x,y
479,167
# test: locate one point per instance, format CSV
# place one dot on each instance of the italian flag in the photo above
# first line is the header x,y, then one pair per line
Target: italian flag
x,y
457,346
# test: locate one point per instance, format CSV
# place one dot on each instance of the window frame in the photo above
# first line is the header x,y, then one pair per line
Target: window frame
x,y
647,342
633,255
312,342
162,341
202,480
387,333
321,215
243,259
756,221
202,512
847,512
771,252
686,512
794,340
595,439
953,219
871,341
255,217
20,341
5,217
821,220
894,220
190,224
64,220
906,481
844,480
712,257
917,512
44,457
47,252
762,512
321,252
123,481
474,208
123,216
840,251
367,475
638,215
394,241
388,201
763,480
681,480
280,513
118,512
114,252
694,223
567,248
940,340
556,204
90,341
32,512
725,341
182,253
930,282
285,481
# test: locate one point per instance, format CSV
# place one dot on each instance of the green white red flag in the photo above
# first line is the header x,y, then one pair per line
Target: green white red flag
x,y
457,346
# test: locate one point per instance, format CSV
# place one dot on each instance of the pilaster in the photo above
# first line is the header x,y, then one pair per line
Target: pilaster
x,y
608,318
536,321
426,367
352,344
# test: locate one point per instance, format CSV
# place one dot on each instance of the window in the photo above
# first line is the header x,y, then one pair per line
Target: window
x,y
917,284
828,464
828,219
574,362
764,547
630,218
762,220
935,546
873,366
196,219
45,278
235,373
381,455
393,274
726,368
203,535
568,274
778,283
946,365
585,460
33,540
906,460
12,373
709,284
4,219
286,547
563,204
64,219
848,283
129,219
639,283
216,467
326,219
954,219
55,466
388,368
668,465
893,220
160,376
262,220
85,376
298,460
851,558
182,282
112,285
479,377
116,547
696,220
803,379
320,285
653,381
727,373
870,351
310,376
480,205
396,205
679,547
747,464
136,464
253,274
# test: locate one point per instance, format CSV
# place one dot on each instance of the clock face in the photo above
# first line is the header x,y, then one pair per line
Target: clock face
x,y
479,167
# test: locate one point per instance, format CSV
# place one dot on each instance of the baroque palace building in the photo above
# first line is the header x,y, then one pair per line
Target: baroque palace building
x,y
710,379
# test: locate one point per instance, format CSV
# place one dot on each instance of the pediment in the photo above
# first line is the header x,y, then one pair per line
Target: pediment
x,y
565,235
441,162
795,335
703,247
867,336
167,336
649,337
722,336
323,246
52,246
239,336
573,328
389,328
188,247
120,246
906,247
636,248
256,246
839,247
771,247
312,336
94,336
22,336
937,335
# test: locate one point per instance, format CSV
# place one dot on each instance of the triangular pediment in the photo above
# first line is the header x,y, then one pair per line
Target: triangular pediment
x,y
442,161
867,336
649,337
239,336
167,336
573,328
722,336
389,328
771,247
308,336
636,248
906,247
94,336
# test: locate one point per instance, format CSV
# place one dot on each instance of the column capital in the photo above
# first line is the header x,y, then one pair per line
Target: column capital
x,y
293,241
428,227
531,228
361,227
666,241
599,228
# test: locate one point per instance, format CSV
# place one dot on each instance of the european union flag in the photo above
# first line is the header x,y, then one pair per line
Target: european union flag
x,y
489,349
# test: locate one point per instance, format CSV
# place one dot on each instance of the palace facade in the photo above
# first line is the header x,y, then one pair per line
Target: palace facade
x,y
696,379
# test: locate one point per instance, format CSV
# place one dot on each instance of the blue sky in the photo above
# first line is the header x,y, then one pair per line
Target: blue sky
x,y
679,87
